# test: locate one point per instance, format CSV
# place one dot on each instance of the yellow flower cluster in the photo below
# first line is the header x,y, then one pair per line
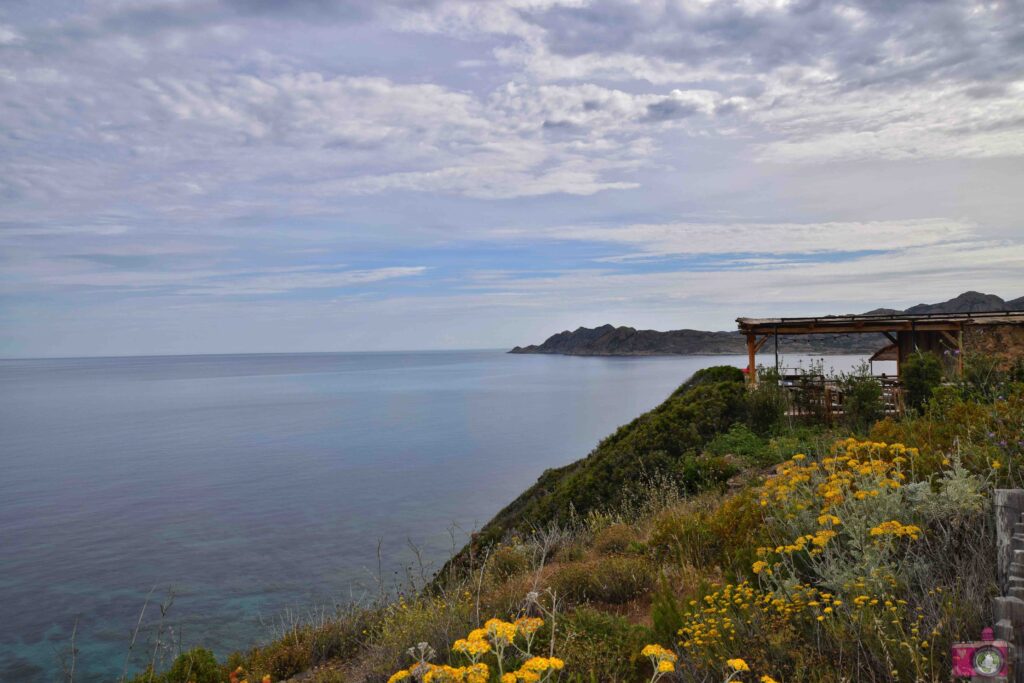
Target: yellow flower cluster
x,y
527,626
662,659
737,664
492,639
813,543
478,672
500,632
475,646
896,528
859,468
534,669
857,471
725,617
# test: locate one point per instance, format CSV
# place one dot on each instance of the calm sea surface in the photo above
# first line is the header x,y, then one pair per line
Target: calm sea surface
x,y
254,484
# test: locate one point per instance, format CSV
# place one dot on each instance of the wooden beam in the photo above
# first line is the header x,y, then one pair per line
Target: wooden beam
x,y
950,339
849,328
761,341
891,338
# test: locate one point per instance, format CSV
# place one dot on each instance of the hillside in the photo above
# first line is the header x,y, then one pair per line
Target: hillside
x,y
666,440
608,340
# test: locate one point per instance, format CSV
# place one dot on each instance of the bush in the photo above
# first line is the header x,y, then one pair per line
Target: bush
x,y
507,562
986,377
603,647
920,374
739,440
862,399
666,615
710,532
612,580
705,472
766,404
198,665
614,540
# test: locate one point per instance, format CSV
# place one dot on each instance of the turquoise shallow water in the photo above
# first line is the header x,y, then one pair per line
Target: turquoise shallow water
x,y
253,484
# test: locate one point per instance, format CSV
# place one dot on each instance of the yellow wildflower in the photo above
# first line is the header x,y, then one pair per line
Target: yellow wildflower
x,y
399,676
738,664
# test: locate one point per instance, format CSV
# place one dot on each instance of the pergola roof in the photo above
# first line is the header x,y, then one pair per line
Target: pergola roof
x,y
877,323
890,352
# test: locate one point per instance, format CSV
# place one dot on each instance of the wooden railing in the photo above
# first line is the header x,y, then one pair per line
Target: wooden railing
x,y
815,396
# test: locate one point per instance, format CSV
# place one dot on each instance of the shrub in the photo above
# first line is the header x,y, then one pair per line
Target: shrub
x,y
437,620
920,373
766,404
198,665
603,647
612,580
741,441
508,561
666,615
684,535
614,540
710,532
570,552
705,472
862,399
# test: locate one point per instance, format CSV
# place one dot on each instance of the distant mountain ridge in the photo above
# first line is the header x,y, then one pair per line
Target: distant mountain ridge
x,y
608,340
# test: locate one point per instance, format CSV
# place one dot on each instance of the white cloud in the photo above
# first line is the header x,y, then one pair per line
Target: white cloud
x,y
9,36
209,279
907,276
149,150
656,240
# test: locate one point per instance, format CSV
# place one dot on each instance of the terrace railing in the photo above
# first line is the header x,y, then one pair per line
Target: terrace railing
x,y
821,397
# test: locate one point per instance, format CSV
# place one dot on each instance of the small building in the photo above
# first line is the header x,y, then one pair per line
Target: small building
x,y
947,334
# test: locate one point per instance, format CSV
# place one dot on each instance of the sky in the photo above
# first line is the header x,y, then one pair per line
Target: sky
x,y
217,176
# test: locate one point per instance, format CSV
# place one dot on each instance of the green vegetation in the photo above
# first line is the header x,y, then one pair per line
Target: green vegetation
x,y
743,545
667,440
862,398
921,373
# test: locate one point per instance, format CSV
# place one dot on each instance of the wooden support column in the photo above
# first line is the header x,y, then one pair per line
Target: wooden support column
x,y
960,352
751,360
775,337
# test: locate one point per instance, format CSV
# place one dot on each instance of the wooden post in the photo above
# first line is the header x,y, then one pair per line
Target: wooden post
x,y
960,352
775,336
751,360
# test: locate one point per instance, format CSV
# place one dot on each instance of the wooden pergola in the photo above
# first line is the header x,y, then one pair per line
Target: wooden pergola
x,y
907,334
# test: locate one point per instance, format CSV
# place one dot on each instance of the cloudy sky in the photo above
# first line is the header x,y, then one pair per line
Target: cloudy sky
x,y
188,176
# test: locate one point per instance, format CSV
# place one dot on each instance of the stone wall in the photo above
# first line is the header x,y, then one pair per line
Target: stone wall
x,y
1005,342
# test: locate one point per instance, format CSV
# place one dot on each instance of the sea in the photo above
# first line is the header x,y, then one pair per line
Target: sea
x,y
245,492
